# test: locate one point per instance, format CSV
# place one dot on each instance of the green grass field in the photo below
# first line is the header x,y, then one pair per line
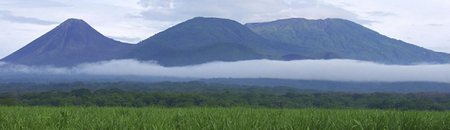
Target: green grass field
x,y
121,118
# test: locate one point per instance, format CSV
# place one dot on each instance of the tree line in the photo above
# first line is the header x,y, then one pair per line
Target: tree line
x,y
194,94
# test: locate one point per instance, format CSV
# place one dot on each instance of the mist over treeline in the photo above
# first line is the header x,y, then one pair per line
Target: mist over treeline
x,y
333,70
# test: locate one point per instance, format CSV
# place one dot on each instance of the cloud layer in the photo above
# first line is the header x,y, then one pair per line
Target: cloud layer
x,y
176,10
335,70
8,16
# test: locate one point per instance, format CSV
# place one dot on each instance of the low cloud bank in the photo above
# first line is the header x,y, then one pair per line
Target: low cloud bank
x,y
335,70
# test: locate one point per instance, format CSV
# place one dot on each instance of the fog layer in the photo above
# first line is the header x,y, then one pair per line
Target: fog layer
x,y
335,70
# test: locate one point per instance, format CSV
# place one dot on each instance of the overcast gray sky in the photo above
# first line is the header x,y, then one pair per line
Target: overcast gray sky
x,y
424,23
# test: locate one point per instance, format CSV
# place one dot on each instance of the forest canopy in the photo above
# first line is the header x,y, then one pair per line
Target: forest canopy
x,y
198,94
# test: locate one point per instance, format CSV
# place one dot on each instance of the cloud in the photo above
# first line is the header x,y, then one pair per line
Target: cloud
x,y
244,10
6,68
435,25
381,14
126,39
8,16
33,3
334,70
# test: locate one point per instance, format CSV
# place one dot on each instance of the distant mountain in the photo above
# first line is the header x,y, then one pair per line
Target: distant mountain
x,y
338,38
201,40
71,43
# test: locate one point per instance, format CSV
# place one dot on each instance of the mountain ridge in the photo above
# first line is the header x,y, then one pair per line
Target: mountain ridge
x,y
347,40
206,39
71,43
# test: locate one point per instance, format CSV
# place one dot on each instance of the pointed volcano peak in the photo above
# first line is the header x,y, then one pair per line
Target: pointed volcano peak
x,y
72,42
73,23
74,20
75,31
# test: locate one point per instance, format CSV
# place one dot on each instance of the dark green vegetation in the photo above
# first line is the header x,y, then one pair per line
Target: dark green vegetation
x,y
40,83
203,40
197,94
339,86
119,118
338,38
197,105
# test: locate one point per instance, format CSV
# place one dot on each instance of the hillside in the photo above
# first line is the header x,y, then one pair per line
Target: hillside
x,y
201,40
347,40
71,43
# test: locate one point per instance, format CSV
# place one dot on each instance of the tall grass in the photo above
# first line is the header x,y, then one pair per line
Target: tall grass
x,y
119,118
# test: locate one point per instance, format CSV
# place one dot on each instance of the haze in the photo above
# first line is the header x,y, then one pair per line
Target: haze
x,y
335,70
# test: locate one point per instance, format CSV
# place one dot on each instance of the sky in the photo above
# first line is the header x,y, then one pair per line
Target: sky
x,y
420,22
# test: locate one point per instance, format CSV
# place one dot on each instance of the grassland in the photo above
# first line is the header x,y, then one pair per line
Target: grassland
x,y
122,118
